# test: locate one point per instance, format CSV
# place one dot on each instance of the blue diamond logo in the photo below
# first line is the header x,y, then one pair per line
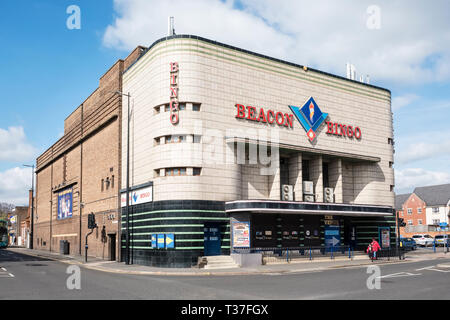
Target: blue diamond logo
x,y
310,117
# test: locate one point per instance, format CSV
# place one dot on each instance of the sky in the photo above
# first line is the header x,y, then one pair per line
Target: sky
x,y
48,68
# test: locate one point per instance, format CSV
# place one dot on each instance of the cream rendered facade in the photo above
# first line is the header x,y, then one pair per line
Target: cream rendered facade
x,y
218,78
209,170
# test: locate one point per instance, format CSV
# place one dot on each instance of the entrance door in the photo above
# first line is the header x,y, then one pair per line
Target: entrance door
x,y
112,247
212,239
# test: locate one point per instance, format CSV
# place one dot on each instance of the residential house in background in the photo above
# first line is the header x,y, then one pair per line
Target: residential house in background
x,y
424,209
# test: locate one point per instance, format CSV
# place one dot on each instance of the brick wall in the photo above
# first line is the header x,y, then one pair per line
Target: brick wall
x,y
86,160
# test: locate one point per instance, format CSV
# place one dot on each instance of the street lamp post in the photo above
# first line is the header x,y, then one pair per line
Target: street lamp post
x,y
32,204
127,257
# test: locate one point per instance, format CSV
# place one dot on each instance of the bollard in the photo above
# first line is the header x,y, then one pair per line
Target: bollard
x,y
310,254
349,252
287,255
434,246
331,253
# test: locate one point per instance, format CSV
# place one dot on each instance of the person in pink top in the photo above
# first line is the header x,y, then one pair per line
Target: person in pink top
x,y
375,247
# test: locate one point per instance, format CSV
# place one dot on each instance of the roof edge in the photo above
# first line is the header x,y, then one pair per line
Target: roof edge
x,y
188,36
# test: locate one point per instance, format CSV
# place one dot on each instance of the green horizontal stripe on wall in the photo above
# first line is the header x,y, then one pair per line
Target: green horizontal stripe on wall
x,y
177,218
168,226
176,211
175,232
176,240
181,248
258,64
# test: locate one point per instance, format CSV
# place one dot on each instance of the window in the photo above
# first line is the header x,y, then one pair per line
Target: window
x,y
419,210
409,211
157,141
419,222
157,173
175,139
196,107
196,171
175,171
436,221
392,188
391,164
157,109
182,106
410,222
390,141
435,210
197,138
166,108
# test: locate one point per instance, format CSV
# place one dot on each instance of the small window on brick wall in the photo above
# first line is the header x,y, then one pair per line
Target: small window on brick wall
x,y
196,107
196,171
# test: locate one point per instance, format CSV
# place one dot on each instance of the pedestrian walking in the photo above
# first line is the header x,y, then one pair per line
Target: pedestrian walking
x,y
374,248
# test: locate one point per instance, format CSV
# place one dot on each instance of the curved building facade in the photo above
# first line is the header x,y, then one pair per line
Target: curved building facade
x,y
231,149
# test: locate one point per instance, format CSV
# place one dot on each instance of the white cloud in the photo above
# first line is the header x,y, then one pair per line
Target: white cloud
x,y
403,101
14,145
406,180
421,151
412,45
14,185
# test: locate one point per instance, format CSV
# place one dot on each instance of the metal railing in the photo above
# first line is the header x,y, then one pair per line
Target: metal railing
x,y
390,254
280,255
287,255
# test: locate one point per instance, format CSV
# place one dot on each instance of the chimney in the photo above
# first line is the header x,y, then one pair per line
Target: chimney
x,y
171,27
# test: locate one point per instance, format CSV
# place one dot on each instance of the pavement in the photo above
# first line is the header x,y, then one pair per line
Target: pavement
x,y
304,265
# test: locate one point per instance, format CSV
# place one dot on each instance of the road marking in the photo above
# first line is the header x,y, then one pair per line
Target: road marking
x,y
5,273
426,268
400,274
434,268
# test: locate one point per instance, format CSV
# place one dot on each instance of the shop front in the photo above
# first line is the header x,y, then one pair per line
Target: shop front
x,y
280,224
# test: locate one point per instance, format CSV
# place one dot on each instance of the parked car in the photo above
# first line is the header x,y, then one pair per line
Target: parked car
x,y
441,239
423,240
408,243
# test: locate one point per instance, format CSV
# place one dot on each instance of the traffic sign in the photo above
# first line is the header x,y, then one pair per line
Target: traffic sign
x,y
443,224
161,241
170,241
154,241
332,237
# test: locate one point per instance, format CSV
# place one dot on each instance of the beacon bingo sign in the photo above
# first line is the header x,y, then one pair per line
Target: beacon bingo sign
x,y
311,117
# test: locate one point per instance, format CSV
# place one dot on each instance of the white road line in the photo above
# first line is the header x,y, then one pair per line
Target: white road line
x,y
400,274
4,269
434,269
426,268
12,276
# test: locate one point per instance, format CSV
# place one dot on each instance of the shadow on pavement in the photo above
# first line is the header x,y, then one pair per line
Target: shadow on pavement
x,y
9,256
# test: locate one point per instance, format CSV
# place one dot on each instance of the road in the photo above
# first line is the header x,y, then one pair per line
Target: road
x,y
28,277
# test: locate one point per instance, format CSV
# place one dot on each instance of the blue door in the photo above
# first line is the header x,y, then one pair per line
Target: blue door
x,y
212,239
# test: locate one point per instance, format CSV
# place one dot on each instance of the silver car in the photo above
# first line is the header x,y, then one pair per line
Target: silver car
x,y
424,240
442,239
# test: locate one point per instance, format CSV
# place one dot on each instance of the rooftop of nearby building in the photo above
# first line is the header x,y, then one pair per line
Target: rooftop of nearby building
x,y
434,195
400,200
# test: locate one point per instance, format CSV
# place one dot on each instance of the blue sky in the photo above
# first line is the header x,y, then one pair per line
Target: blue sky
x,y
48,70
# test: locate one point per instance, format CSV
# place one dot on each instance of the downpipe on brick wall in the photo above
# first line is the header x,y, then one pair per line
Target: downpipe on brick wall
x,y
86,245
